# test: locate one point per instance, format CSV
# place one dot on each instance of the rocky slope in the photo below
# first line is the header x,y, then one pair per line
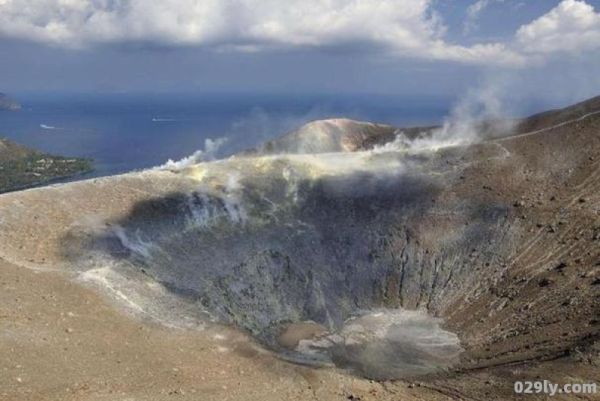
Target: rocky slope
x,y
337,135
333,135
500,239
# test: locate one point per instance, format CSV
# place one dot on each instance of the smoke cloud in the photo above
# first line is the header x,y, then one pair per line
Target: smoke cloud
x,y
477,114
211,147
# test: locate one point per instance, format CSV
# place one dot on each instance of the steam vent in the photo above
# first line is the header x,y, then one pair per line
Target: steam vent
x,y
338,253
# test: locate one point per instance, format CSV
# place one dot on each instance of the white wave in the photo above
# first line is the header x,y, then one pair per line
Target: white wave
x,y
163,120
48,127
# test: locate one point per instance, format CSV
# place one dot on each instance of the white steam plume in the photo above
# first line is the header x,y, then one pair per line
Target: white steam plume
x,y
261,125
482,108
211,147
463,125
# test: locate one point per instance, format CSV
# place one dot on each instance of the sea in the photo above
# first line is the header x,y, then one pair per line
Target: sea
x,y
127,132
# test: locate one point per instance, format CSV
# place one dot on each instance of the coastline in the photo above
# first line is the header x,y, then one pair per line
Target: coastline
x,y
22,167
49,181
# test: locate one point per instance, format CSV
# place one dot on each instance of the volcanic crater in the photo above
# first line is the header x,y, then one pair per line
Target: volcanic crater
x,y
388,263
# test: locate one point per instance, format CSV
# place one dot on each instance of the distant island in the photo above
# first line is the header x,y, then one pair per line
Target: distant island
x,y
6,103
21,167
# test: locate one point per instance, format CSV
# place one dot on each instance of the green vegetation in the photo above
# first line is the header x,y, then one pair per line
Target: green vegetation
x,y
21,167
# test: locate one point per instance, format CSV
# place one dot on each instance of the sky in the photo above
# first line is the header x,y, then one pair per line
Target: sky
x,y
526,49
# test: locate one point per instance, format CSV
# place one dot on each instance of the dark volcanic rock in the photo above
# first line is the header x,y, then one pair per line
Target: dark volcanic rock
x,y
307,249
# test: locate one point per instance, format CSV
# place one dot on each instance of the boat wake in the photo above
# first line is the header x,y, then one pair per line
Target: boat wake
x,y
48,127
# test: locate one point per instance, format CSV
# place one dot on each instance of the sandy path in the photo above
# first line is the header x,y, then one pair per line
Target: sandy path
x,y
60,341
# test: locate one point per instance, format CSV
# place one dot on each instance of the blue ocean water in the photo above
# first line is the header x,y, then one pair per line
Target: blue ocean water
x,y
131,132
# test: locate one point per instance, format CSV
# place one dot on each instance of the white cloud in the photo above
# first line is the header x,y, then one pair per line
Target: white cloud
x,y
473,13
573,26
404,28
401,27
406,24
